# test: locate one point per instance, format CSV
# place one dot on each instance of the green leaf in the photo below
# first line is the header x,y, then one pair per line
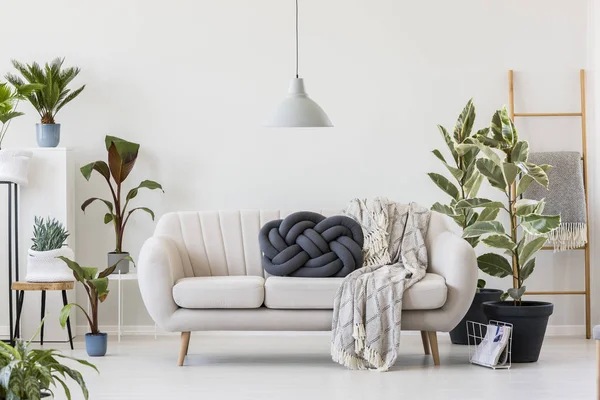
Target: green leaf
x,y
483,228
107,271
494,265
155,185
464,123
496,128
534,171
508,129
443,183
89,272
520,152
444,209
449,142
481,283
78,271
500,242
488,214
101,285
492,172
489,153
478,203
504,296
530,249
527,270
527,180
510,172
516,294
108,217
99,166
91,200
473,184
149,211
525,207
539,224
32,387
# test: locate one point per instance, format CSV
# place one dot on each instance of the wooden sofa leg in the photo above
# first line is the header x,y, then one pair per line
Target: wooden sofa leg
x,y
185,344
434,347
425,341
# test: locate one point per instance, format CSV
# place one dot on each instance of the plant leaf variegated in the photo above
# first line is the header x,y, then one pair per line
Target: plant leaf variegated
x,y
505,165
121,160
464,180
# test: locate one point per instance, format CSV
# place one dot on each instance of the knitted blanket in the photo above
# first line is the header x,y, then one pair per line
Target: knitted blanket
x,y
565,197
368,305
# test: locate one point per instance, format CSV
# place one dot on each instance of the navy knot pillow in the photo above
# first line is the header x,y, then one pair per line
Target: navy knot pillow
x,y
306,244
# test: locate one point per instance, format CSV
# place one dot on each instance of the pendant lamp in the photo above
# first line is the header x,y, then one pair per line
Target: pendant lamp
x,y
297,110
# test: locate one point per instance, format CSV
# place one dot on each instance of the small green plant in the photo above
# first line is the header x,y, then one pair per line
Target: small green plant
x,y
9,100
467,178
95,284
507,168
121,159
51,93
26,374
48,234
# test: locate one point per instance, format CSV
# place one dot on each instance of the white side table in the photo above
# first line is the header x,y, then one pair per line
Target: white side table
x,y
119,278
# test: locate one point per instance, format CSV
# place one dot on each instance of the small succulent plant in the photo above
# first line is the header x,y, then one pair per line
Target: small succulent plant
x,y
48,234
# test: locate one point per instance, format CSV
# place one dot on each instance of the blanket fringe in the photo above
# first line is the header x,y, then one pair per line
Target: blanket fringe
x,y
567,236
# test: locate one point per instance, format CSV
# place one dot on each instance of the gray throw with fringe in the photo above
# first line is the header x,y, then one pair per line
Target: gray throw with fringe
x,y
565,197
367,307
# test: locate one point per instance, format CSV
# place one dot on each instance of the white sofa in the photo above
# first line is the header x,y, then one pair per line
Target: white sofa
x,y
201,271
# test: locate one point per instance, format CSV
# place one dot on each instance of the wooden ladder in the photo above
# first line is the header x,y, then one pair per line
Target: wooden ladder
x,y
586,247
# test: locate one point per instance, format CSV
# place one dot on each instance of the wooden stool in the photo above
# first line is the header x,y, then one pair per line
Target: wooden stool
x,y
22,287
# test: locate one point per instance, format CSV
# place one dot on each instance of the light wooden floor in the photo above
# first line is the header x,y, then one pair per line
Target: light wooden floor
x,y
277,367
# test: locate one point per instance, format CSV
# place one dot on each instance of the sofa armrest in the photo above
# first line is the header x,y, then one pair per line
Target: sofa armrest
x,y
159,267
453,258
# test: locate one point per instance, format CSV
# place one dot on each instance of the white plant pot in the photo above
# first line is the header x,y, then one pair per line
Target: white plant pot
x,y
14,165
43,266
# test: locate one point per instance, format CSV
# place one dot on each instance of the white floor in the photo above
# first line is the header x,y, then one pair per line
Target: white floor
x,y
290,367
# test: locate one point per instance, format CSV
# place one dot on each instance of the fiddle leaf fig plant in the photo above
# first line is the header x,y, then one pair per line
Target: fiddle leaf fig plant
x,y
465,179
506,167
121,160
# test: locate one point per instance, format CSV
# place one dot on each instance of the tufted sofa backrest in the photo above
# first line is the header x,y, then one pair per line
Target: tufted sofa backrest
x,y
221,243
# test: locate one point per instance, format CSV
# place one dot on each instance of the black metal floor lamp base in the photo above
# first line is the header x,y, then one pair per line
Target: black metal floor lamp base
x,y
13,251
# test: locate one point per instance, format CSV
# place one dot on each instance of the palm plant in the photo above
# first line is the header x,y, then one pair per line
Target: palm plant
x,y
9,100
29,374
52,95
467,178
95,284
511,174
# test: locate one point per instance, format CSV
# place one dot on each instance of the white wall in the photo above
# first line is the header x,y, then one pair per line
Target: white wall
x,y
193,81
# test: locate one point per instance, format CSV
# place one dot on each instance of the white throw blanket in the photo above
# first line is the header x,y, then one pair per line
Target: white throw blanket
x,y
368,305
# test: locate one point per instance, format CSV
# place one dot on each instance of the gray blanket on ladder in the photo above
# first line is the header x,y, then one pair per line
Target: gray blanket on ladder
x,y
565,196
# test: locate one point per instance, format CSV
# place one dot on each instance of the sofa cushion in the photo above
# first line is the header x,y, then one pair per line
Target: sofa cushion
x,y
282,292
220,292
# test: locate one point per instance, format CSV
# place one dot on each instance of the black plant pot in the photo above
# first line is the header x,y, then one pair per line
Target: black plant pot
x,y
458,335
529,321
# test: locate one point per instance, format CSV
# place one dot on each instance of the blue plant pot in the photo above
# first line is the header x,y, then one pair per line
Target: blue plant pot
x,y
48,135
95,345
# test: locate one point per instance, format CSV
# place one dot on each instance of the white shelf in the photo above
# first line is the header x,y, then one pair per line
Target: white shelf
x,y
123,277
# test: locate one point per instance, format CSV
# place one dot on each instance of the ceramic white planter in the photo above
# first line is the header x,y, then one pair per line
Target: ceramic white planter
x,y
14,165
43,266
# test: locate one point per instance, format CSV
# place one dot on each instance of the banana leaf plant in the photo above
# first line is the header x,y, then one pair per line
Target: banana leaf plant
x,y
95,284
505,165
465,178
121,160
9,100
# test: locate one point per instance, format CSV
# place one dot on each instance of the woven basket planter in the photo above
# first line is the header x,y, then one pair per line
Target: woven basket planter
x,y
14,165
43,266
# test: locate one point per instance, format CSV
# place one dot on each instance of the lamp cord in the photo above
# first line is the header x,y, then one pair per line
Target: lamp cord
x,y
296,38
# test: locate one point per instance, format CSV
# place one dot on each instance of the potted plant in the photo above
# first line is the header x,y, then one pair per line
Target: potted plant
x,y
14,164
462,168
29,374
506,167
95,284
50,96
121,159
49,238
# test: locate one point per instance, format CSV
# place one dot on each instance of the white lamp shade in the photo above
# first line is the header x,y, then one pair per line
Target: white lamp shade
x,y
297,110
